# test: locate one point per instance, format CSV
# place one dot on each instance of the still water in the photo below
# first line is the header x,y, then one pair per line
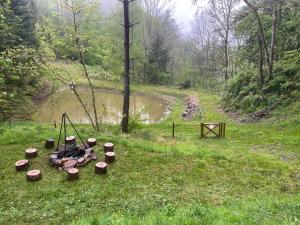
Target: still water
x,y
149,109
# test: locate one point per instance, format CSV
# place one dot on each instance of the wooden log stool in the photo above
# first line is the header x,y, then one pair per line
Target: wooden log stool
x,y
217,129
110,157
101,168
91,142
34,175
73,174
108,147
49,143
71,140
31,153
22,165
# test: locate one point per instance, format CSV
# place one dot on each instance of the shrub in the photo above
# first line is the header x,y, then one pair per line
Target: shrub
x,y
244,92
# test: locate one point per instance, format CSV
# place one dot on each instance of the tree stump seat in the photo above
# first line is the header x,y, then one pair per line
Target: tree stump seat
x,y
108,147
110,157
73,174
49,143
22,165
71,140
101,168
34,175
91,142
31,153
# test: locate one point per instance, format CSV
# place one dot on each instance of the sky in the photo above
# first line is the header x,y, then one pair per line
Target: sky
x,y
184,13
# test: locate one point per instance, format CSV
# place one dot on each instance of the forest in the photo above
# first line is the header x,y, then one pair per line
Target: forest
x,y
127,72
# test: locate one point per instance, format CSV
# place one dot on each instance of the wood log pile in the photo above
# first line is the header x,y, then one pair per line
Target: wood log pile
x,y
259,115
191,109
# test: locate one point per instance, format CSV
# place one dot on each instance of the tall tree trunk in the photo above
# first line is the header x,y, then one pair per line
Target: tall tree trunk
x,y
261,62
126,99
273,39
226,55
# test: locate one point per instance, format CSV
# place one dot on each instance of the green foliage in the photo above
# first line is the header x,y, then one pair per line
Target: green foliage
x,y
26,11
20,73
158,59
244,91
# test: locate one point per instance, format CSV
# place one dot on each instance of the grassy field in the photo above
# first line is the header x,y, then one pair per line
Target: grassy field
x,y
251,177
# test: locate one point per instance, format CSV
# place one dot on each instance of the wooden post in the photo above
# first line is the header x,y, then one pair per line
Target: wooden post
x,y
224,125
202,130
173,133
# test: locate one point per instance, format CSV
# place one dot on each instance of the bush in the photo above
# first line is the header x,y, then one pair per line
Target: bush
x,y
20,73
185,85
244,92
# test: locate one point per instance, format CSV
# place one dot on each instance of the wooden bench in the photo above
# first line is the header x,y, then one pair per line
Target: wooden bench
x,y
218,129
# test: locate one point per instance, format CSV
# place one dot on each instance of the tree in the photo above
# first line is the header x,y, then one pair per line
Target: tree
x,y
158,58
26,12
268,51
74,15
222,13
126,96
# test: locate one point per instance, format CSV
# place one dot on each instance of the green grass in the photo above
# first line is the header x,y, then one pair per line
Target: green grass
x,y
251,177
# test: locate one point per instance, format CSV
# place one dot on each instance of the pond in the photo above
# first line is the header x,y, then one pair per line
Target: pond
x,y
148,109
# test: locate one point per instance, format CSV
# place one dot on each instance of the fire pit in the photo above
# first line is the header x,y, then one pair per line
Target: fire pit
x,y
70,154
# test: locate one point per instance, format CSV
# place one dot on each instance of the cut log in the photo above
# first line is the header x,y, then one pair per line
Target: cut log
x,y
80,160
22,165
31,153
73,174
49,143
110,157
101,168
108,147
34,175
91,142
69,164
57,163
71,140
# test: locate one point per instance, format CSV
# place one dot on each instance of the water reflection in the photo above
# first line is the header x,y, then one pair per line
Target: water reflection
x,y
109,104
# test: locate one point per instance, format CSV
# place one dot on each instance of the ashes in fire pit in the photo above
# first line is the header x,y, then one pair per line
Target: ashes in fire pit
x,y
70,154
